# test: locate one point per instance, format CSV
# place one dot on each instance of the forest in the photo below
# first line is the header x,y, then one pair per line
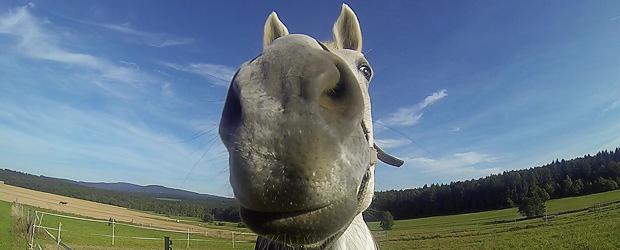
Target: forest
x,y
559,179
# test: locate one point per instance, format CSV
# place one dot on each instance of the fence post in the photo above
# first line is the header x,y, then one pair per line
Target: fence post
x,y
187,237
113,223
34,225
233,238
58,239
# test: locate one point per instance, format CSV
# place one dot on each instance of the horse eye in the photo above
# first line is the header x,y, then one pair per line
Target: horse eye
x,y
365,69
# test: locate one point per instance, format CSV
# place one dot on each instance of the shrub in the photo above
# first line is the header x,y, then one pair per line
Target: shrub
x,y
207,217
387,220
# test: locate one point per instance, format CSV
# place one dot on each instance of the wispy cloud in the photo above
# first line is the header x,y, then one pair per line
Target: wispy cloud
x,y
459,163
38,43
87,117
159,40
411,115
219,75
613,105
618,17
153,39
392,143
456,129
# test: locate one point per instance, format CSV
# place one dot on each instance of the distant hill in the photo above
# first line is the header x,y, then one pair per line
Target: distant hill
x,y
154,191
152,198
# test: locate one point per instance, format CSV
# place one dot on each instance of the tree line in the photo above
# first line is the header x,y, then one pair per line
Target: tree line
x,y
558,179
223,209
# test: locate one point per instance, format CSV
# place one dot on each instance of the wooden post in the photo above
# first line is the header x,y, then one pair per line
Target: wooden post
x,y
58,238
233,239
34,225
113,223
187,237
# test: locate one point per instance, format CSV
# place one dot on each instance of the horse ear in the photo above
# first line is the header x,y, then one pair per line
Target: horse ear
x,y
347,32
274,28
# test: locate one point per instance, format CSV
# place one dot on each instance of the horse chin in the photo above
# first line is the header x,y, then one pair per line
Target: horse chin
x,y
302,228
310,228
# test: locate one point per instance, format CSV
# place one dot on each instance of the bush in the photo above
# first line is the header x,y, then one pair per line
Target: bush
x,y
532,206
221,224
207,217
387,220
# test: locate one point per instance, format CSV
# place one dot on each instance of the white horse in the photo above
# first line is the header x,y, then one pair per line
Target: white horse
x,y
298,129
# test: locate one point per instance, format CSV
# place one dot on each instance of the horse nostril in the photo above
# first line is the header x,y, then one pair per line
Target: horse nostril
x,y
231,115
342,99
334,98
337,92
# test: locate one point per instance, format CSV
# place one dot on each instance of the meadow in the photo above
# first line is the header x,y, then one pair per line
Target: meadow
x,y
596,226
90,234
8,236
586,222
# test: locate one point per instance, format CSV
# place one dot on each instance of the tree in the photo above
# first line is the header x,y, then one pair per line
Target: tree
x,y
207,217
577,186
533,205
567,185
387,220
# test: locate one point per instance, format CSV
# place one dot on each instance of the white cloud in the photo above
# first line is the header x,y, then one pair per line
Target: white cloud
x,y
459,163
38,43
433,98
219,75
67,120
411,115
392,143
159,40
456,129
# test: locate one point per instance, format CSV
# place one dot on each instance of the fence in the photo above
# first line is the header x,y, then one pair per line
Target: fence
x,y
37,228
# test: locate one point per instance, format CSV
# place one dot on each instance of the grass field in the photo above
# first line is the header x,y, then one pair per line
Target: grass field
x,y
87,209
80,234
595,229
7,237
596,226
231,226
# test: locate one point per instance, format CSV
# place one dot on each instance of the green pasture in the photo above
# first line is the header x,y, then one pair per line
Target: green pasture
x,y
595,225
7,234
80,234
596,228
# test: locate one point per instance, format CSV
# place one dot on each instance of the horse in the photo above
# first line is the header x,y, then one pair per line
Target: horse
x,y
297,125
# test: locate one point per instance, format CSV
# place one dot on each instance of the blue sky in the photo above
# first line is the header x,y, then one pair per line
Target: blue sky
x,y
132,90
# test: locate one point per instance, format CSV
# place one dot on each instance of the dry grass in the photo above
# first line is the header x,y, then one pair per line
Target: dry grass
x,y
21,221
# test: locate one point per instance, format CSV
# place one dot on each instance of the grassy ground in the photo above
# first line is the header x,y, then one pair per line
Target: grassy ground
x,y
594,229
80,234
6,226
231,226
9,238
